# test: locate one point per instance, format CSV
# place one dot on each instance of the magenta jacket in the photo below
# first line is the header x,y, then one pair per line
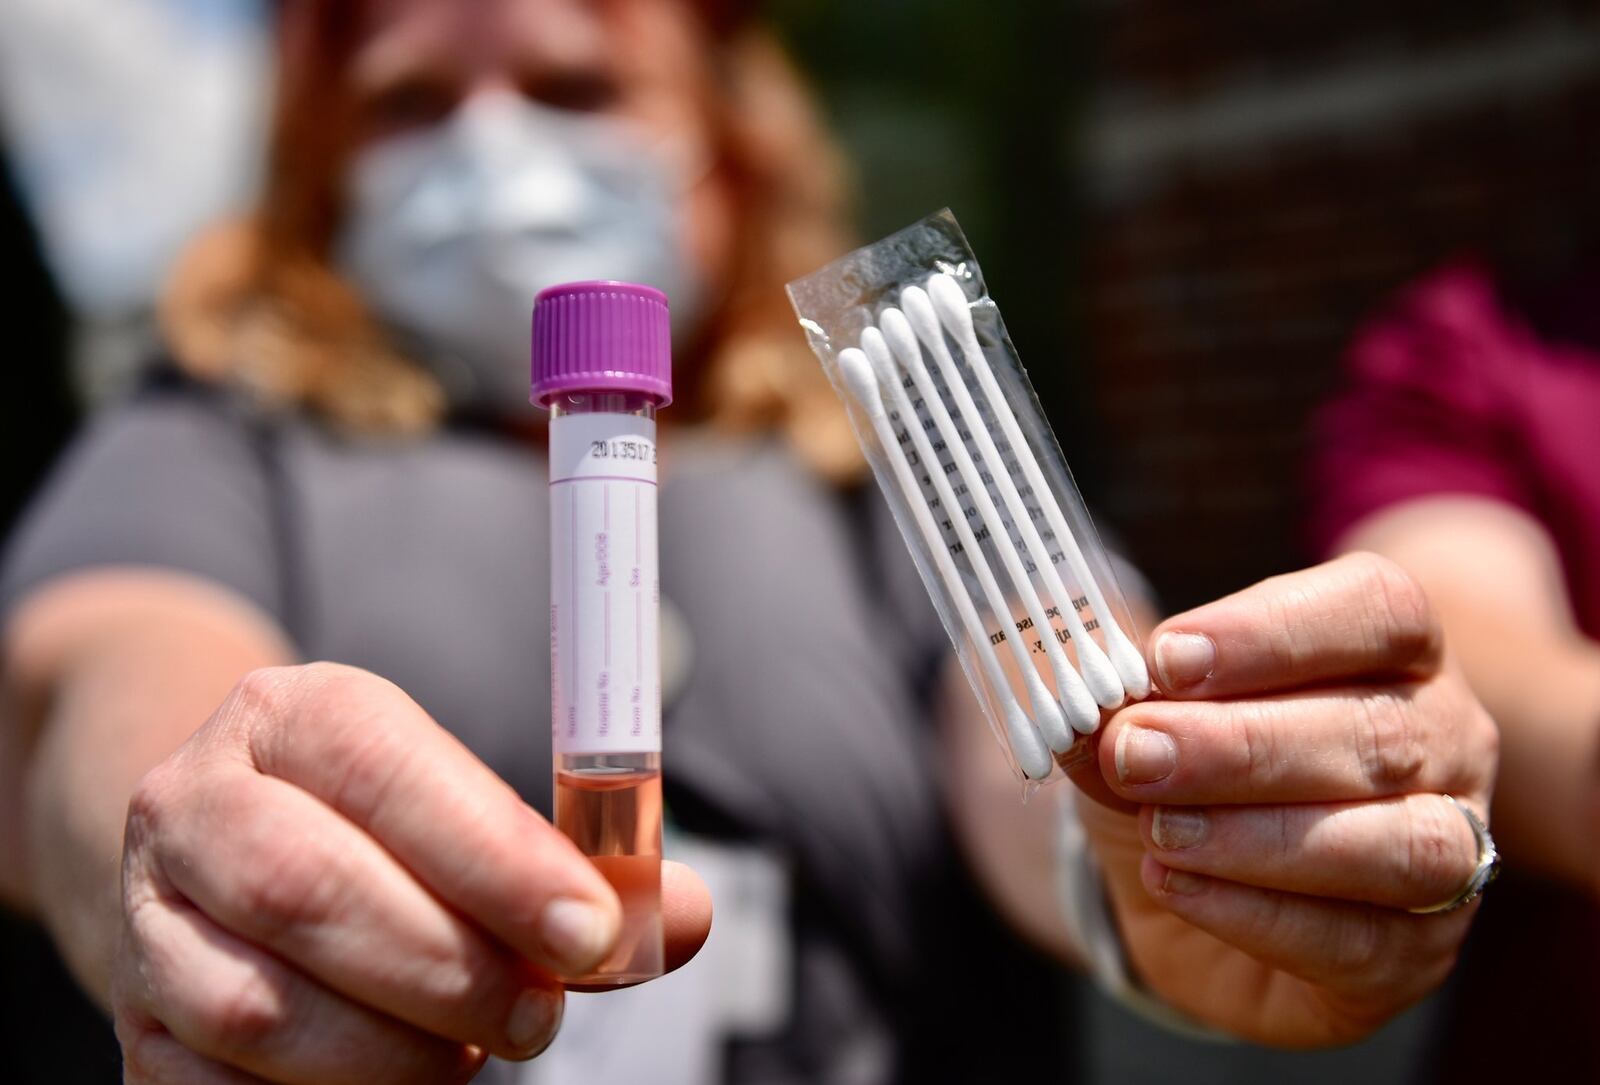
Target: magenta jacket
x,y
1451,391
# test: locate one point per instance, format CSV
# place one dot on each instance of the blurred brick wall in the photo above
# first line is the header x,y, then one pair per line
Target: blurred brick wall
x,y
1261,176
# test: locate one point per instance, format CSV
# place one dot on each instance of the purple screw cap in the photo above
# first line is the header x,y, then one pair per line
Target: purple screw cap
x,y
601,337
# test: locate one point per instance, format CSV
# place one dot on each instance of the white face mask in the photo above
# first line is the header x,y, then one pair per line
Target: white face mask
x,y
451,232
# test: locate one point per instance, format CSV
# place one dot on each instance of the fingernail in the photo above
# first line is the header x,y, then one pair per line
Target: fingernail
x,y
1144,756
576,934
535,1016
1184,659
1174,828
1180,883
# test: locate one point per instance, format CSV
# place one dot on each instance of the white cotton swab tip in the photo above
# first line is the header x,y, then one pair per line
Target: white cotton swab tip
x,y
902,340
877,353
950,302
919,310
877,349
1032,755
862,382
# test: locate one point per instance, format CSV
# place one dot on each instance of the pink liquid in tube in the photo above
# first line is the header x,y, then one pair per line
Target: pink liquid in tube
x,y
602,365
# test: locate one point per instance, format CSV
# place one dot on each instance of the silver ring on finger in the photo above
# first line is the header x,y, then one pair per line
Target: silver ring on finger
x,y
1488,866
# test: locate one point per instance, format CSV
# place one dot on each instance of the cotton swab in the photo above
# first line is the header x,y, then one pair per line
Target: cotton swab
x,y
1098,673
1046,710
950,303
1081,709
1031,752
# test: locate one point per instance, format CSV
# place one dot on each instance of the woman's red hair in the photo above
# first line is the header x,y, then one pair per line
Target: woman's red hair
x,y
259,302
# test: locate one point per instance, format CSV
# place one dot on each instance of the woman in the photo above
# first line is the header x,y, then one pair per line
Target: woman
x,y
1465,441
320,883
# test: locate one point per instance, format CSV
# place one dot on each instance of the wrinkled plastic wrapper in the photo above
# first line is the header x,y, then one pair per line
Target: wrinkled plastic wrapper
x,y
945,414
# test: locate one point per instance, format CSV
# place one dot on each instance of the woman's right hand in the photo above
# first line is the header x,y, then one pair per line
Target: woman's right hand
x,y
322,885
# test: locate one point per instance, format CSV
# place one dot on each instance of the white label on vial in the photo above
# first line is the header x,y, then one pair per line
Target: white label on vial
x,y
605,631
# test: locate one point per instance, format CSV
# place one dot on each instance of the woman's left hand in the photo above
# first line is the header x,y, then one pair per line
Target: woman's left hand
x,y
1265,828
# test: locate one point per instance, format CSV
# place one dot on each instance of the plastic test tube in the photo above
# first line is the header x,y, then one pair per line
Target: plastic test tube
x,y
602,365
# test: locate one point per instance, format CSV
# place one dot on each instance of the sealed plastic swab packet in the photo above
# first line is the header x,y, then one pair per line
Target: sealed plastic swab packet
x,y
945,415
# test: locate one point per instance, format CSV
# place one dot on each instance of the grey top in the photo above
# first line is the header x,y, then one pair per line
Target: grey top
x,y
803,722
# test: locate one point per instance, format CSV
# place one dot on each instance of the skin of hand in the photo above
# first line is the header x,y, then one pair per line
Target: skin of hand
x,y
320,884
1520,648
1265,822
